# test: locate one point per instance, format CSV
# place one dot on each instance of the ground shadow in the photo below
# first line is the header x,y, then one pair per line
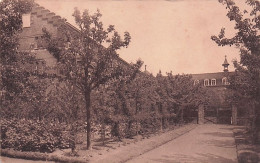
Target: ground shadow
x,y
219,134
231,128
201,158
220,143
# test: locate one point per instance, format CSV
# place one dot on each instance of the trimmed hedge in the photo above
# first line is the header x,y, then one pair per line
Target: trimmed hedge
x,y
30,135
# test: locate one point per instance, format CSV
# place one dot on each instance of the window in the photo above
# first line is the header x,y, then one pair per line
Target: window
x,y
26,18
224,81
206,82
196,82
213,82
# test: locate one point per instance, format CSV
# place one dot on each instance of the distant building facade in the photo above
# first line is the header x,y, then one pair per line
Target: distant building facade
x,y
218,109
218,79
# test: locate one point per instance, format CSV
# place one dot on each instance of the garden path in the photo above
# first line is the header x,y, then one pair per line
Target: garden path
x,y
207,143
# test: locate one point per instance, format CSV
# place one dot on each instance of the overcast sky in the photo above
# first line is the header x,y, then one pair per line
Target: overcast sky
x,y
166,35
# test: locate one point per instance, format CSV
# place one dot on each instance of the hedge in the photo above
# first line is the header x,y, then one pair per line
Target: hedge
x,y
31,135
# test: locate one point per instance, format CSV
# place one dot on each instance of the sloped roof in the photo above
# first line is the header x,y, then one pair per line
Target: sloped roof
x,y
216,75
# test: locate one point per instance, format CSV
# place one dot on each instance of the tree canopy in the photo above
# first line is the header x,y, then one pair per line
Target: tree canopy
x,y
246,80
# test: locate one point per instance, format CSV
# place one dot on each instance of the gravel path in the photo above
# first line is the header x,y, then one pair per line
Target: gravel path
x,y
207,143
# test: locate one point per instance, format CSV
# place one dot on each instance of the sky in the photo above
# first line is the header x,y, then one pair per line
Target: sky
x,y
171,35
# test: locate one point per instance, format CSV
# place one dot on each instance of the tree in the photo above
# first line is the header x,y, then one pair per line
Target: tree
x,y
66,101
91,59
10,25
14,75
179,94
246,81
139,97
23,78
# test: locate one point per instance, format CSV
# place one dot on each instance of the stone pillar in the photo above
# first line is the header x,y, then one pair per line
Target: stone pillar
x,y
234,114
201,114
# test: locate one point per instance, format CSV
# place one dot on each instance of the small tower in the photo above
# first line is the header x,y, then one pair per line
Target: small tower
x,y
145,70
225,64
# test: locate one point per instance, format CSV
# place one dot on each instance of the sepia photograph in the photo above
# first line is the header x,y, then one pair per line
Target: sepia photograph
x,y
130,81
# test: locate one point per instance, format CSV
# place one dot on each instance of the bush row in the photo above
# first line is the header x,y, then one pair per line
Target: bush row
x,y
29,135
46,136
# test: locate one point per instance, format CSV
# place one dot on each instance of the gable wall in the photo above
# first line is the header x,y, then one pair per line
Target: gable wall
x,y
38,21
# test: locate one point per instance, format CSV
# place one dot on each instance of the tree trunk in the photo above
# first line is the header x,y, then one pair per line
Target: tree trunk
x,y
72,139
182,115
116,130
126,104
201,114
130,125
103,132
88,112
161,124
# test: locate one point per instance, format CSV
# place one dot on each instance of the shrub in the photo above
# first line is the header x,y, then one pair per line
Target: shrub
x,y
151,125
29,135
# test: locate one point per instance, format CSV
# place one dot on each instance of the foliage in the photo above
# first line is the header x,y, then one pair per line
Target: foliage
x,y
247,39
246,81
18,69
11,23
93,85
68,108
178,92
52,44
26,88
145,104
29,135
90,60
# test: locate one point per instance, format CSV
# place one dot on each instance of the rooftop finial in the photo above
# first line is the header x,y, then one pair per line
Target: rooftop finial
x,y
225,64
145,67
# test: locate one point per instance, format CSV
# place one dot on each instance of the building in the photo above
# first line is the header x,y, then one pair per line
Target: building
x,y
218,109
31,37
218,79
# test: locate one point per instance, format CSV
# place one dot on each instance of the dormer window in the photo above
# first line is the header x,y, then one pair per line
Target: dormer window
x,y
67,45
213,82
224,81
206,82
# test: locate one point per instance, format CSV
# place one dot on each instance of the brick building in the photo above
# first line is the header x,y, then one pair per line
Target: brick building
x,y
219,109
31,37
